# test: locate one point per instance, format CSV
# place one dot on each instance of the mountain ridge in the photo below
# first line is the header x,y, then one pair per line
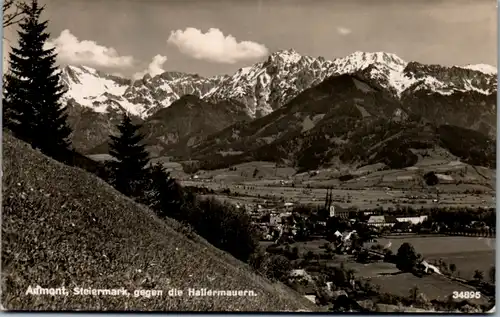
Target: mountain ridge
x,y
284,73
351,120
98,100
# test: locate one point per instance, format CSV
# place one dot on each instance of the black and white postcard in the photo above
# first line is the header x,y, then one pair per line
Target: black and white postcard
x,y
249,156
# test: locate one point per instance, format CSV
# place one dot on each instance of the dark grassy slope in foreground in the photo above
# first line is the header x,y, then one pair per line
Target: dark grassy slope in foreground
x,y
63,226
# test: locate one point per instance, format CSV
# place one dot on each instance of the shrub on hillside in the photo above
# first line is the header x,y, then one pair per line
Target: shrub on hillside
x,y
275,267
431,179
163,194
223,225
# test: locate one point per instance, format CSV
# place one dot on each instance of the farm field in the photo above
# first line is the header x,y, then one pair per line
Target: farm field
x,y
371,186
433,286
315,246
467,253
367,198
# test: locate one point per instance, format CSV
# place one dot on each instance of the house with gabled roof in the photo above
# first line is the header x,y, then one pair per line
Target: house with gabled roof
x,y
382,221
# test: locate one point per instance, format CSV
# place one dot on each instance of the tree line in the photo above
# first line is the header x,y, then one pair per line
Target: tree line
x,y
33,112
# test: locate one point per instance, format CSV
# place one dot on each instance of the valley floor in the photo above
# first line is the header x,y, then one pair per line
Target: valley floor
x,y
371,187
251,193
460,185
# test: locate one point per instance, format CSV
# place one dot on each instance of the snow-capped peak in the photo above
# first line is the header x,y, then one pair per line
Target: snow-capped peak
x,y
103,93
483,68
288,56
360,60
84,84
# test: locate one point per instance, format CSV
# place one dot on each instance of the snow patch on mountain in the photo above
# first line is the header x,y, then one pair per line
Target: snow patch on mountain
x,y
431,83
361,60
399,80
84,84
483,68
88,88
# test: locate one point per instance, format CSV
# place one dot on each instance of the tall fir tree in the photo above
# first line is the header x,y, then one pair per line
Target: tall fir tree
x,y
130,170
165,195
32,108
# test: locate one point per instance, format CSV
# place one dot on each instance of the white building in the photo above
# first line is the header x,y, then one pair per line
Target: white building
x,y
336,211
413,220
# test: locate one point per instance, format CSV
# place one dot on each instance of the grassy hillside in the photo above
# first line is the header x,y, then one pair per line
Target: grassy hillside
x,y
64,227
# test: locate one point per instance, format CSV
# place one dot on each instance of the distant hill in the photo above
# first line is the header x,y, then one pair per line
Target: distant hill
x,y
64,227
351,120
188,120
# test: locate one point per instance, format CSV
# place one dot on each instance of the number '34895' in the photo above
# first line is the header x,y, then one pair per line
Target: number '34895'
x,y
466,295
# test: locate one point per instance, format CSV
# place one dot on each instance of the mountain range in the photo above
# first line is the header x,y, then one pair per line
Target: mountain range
x,y
290,105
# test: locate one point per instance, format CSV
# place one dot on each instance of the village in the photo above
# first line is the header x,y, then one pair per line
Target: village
x,y
347,245
365,245
279,223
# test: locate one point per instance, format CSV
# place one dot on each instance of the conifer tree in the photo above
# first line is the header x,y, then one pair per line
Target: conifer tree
x,y
31,103
130,170
165,194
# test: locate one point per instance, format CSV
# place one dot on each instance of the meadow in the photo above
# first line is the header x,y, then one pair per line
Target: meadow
x,y
467,253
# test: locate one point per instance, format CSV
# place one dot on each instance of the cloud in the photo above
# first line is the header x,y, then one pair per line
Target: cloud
x,y
73,51
154,68
343,31
214,46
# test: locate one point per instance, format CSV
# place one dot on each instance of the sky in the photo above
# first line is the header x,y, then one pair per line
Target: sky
x,y
210,37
